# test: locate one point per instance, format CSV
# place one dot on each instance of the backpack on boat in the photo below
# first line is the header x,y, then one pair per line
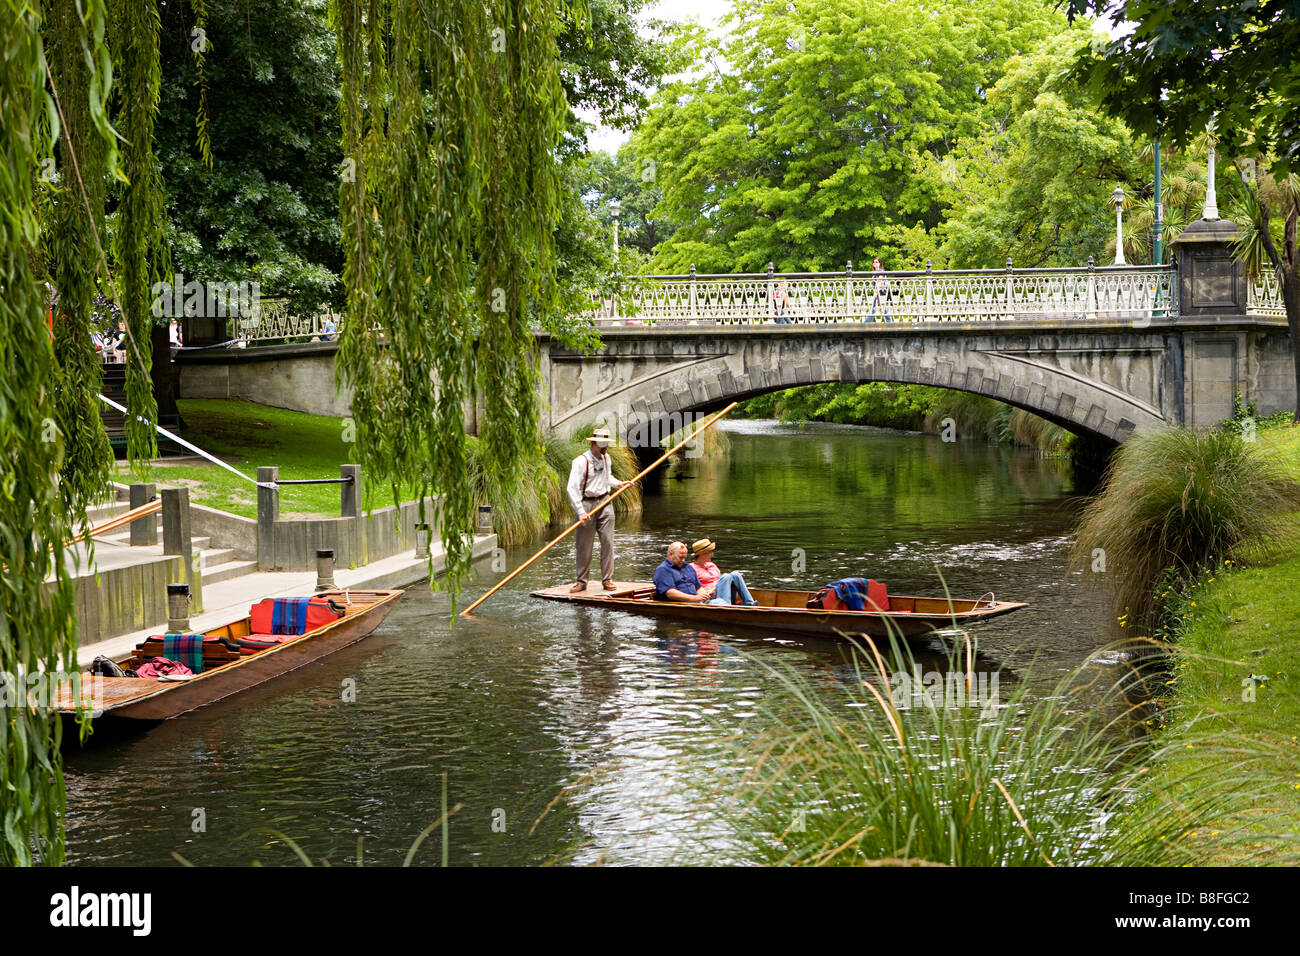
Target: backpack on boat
x,y
851,594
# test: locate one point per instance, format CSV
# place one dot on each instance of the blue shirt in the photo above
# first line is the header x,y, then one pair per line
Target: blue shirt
x,y
668,577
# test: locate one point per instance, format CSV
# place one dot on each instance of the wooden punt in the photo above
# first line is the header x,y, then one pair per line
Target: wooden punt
x,y
143,699
787,611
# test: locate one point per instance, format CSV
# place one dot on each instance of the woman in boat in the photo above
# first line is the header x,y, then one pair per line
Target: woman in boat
x,y
710,574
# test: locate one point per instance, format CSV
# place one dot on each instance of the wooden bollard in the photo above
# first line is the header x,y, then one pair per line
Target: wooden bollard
x,y
423,538
178,609
325,570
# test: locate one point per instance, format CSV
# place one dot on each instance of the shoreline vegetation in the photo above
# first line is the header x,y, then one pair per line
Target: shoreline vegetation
x,y
922,408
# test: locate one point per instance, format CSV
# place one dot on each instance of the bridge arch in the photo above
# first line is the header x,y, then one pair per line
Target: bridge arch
x,y
1104,382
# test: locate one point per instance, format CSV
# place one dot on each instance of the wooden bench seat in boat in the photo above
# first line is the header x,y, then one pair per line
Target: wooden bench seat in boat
x,y
215,653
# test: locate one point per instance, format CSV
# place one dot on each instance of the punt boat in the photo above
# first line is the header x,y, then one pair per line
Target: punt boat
x,y
235,658
788,611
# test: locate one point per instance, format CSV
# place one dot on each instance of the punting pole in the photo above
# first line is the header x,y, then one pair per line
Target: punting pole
x,y
568,531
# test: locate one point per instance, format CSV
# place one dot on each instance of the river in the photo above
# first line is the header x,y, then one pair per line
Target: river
x,y
569,734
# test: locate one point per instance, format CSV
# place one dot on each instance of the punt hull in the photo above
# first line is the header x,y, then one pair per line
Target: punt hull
x,y
144,700
933,614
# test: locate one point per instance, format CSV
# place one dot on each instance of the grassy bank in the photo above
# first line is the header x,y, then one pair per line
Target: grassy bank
x,y
912,408
1236,679
246,435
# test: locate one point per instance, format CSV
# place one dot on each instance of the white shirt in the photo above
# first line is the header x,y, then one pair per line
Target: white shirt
x,y
600,478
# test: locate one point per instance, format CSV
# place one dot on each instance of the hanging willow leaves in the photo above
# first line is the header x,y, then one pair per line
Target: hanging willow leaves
x,y
138,249
75,217
449,198
37,620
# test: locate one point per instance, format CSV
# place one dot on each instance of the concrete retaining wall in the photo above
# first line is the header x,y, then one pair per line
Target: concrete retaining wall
x,y
298,377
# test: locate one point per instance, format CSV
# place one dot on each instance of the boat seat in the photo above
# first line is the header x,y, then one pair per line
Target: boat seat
x,y
215,653
877,598
292,616
253,643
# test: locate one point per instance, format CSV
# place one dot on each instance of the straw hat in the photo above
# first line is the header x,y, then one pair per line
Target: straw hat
x,y
704,544
600,437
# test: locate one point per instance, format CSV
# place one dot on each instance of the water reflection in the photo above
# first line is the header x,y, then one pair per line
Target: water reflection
x,y
573,733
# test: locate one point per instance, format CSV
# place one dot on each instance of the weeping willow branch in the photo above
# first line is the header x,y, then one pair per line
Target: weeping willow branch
x,y
451,115
138,247
37,620
71,245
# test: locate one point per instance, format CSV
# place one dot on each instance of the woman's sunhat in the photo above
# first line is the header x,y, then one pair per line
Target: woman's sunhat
x,y
601,437
704,544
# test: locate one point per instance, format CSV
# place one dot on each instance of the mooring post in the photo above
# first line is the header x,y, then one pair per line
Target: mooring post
x,y
144,531
268,513
325,569
178,609
178,540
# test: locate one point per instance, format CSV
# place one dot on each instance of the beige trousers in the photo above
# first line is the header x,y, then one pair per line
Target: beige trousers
x,y
602,524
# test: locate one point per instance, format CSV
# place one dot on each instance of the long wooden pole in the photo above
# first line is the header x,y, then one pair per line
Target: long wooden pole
x,y
626,485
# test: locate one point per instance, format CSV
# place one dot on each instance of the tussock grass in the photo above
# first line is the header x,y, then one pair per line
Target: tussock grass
x,y
1182,500
1055,781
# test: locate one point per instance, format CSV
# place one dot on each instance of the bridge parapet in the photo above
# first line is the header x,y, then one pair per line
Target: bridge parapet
x,y
1126,293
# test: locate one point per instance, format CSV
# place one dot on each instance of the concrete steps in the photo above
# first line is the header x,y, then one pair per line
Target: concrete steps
x,y
218,564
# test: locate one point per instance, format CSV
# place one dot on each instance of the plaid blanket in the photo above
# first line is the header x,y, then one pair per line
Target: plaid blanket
x,y
186,648
289,615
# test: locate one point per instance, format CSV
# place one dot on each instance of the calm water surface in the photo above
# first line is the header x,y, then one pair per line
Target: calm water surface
x,y
572,734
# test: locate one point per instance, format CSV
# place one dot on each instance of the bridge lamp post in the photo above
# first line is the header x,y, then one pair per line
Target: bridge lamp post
x,y
614,208
1117,197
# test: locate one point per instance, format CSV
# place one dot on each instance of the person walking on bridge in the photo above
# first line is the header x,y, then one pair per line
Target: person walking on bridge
x,y
591,478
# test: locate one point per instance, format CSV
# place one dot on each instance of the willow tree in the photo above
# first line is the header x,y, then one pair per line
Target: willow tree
x,y
451,114
38,400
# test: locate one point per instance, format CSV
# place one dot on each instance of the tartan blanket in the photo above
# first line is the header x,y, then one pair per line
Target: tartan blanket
x,y
289,615
186,648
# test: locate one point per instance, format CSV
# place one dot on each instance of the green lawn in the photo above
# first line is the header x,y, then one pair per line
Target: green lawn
x,y
1237,678
246,436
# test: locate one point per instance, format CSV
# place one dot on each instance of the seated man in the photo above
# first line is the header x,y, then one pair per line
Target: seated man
x,y
709,574
675,580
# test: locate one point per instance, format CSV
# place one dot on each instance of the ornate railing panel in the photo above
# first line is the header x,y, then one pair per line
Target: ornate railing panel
x,y
1119,292
272,322
1264,296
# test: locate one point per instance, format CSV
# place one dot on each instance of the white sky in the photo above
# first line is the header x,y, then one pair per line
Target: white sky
x,y
708,13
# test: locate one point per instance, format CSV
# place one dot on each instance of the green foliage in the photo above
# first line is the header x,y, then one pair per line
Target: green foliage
x,y
139,252
804,153
1245,418
1182,500
37,617
1186,63
634,181
452,113
906,772
912,408
74,214
253,197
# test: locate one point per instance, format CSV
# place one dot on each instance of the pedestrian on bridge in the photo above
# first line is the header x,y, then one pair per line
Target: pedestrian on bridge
x,y
591,478
880,294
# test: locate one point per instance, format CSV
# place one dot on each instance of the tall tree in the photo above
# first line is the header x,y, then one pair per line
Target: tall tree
x,y
801,149
1230,64
262,205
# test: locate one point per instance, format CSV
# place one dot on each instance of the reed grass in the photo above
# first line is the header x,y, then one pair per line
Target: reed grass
x,y
1055,781
1177,501
709,443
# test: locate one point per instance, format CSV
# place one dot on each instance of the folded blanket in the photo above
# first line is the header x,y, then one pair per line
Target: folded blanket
x,y
156,667
186,648
852,592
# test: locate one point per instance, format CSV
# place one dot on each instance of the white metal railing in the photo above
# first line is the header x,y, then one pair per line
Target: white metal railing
x,y
272,321
1264,296
1120,292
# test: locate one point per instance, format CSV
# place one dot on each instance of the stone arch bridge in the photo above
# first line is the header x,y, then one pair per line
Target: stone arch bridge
x,y
1103,352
